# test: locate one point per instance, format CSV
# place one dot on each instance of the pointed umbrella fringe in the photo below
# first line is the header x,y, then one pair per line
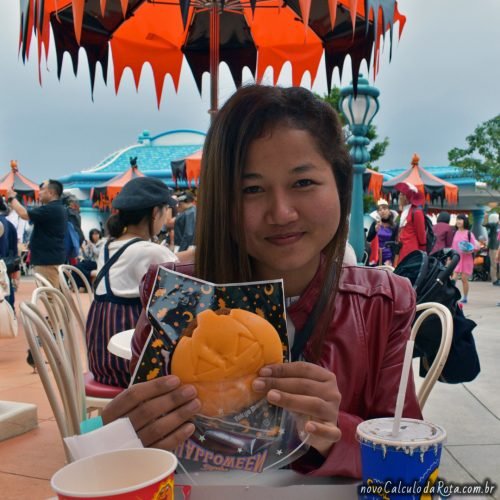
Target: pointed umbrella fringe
x,y
29,22
332,7
124,4
305,10
78,7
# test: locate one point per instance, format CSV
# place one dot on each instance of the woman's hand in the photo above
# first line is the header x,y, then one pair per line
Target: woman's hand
x,y
309,391
160,411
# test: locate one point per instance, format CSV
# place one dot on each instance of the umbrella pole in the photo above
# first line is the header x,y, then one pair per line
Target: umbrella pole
x,y
214,59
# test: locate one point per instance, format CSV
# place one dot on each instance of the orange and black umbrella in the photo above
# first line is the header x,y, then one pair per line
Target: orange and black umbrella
x,y
242,33
26,189
433,188
103,194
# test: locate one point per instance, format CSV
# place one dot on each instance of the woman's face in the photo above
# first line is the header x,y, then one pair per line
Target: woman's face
x,y
291,208
383,211
95,237
403,200
460,223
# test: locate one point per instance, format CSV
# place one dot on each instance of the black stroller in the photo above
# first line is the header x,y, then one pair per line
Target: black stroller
x,y
430,277
481,270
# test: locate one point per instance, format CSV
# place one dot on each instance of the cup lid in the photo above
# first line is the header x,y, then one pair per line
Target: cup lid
x,y
412,432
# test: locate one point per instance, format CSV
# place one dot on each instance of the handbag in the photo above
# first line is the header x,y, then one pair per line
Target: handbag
x,y
430,277
4,279
462,364
8,321
12,262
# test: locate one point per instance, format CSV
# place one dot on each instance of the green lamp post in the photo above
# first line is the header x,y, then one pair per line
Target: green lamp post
x,y
359,111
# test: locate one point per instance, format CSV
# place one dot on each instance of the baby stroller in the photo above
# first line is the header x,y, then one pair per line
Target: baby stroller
x,y
481,270
430,277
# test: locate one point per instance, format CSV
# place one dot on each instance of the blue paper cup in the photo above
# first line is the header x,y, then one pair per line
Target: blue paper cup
x,y
403,466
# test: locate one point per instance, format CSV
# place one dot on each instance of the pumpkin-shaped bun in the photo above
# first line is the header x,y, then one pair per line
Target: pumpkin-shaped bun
x,y
223,356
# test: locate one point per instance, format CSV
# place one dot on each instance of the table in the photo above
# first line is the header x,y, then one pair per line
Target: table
x,y
119,344
271,485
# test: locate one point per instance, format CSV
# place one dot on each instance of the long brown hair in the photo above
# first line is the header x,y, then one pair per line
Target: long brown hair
x,y
251,112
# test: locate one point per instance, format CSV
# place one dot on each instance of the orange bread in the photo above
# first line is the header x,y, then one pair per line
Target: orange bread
x,y
223,356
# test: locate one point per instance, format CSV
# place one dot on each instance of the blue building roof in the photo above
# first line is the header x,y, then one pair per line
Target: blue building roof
x,y
154,154
149,158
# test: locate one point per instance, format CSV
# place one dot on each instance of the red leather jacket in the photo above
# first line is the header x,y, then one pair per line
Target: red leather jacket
x,y
364,347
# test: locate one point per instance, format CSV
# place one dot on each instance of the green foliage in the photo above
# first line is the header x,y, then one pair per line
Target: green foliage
x,y
369,204
378,149
481,157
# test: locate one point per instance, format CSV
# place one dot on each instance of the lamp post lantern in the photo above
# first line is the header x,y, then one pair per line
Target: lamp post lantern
x,y
359,111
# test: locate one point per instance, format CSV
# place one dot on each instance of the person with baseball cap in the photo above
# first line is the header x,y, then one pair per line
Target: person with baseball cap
x,y
140,207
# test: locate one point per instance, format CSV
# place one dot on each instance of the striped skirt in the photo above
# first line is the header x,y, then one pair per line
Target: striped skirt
x,y
104,320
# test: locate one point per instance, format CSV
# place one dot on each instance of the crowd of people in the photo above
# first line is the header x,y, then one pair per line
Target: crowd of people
x,y
280,159
392,236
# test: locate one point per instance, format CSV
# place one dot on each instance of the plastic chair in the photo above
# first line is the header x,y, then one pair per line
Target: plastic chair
x,y
428,309
70,290
66,402
61,318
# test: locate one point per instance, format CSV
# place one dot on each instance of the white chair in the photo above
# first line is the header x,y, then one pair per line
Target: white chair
x,y
70,290
41,280
66,401
385,266
443,313
61,318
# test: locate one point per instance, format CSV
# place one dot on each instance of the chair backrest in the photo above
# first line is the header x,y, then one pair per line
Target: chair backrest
x,y
42,280
70,290
47,340
62,321
385,266
443,313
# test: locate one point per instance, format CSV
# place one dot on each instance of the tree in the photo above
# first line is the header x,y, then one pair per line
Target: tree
x,y
481,157
378,149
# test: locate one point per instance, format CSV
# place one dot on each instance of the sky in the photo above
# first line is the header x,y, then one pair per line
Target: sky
x,y
442,82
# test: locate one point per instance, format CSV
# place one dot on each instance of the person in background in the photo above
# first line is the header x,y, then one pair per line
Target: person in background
x,y
493,230
9,250
90,255
123,260
382,230
465,266
185,222
443,231
274,202
412,234
73,206
49,229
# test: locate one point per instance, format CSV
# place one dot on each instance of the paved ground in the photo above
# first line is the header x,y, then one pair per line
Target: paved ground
x,y
469,412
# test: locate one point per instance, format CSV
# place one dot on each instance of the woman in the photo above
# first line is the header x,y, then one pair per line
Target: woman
x,y
382,231
90,255
141,208
443,231
466,265
278,156
92,246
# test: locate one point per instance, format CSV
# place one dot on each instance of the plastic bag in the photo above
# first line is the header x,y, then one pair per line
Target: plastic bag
x,y
257,435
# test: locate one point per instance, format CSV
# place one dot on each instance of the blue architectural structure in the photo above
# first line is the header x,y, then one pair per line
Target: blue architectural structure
x,y
154,154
